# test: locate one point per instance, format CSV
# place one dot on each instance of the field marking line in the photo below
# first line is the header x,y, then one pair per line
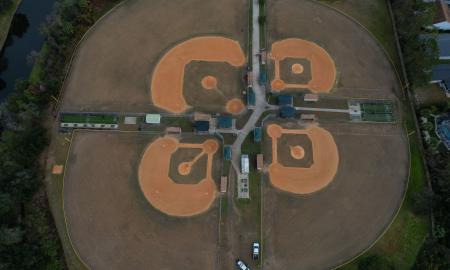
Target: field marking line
x,y
63,205
77,46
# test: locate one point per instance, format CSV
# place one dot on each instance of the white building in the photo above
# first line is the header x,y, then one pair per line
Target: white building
x,y
245,164
153,119
442,19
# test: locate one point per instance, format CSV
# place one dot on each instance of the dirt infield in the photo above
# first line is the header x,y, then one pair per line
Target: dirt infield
x,y
323,71
168,196
111,223
168,75
112,67
226,89
304,180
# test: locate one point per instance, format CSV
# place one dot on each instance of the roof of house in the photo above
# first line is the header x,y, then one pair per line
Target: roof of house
x,y
443,43
285,100
442,12
202,125
441,72
225,121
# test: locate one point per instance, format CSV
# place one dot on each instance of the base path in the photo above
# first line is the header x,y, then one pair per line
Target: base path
x,y
168,76
166,195
323,70
304,180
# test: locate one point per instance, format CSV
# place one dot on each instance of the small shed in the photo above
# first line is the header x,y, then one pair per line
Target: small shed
x,y
285,100
153,118
198,116
251,98
227,152
223,184
250,78
263,75
311,98
175,130
257,135
308,117
287,112
202,126
260,162
130,120
225,122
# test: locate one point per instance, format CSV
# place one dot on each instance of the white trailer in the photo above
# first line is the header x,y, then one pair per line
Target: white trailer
x,y
245,164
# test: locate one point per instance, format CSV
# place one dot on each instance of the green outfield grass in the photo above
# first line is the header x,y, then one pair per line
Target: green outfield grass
x,y
89,118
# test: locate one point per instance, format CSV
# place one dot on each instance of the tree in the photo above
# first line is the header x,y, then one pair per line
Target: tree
x,y
423,202
375,262
4,5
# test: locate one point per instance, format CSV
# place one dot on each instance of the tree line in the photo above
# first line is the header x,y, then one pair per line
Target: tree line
x,y
5,4
420,54
413,17
435,253
28,237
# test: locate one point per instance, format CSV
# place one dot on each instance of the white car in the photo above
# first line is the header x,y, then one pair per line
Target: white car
x,y
241,265
255,250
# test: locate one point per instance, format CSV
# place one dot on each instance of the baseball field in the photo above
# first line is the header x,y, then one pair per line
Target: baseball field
x,y
111,220
342,217
143,200
113,67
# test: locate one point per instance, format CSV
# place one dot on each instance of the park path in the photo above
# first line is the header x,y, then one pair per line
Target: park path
x,y
260,105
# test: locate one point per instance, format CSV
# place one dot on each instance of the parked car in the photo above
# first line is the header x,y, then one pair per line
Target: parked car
x,y
241,265
255,250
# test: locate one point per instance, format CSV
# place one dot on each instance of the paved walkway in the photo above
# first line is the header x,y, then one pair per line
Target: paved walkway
x,y
259,90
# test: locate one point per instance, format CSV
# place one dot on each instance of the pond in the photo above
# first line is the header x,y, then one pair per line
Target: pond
x,y
24,38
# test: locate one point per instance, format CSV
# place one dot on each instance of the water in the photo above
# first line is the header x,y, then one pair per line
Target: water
x,y
19,47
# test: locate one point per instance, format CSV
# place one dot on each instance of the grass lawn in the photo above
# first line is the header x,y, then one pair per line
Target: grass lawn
x,y
89,118
6,17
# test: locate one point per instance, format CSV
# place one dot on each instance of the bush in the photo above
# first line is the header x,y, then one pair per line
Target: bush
x,y
375,262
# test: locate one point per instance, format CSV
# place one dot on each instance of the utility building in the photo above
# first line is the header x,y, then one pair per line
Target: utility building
x,y
257,135
311,98
285,100
287,112
227,152
225,122
260,162
152,118
202,126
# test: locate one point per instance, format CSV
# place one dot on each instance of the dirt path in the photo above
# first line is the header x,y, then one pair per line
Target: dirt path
x,y
260,105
